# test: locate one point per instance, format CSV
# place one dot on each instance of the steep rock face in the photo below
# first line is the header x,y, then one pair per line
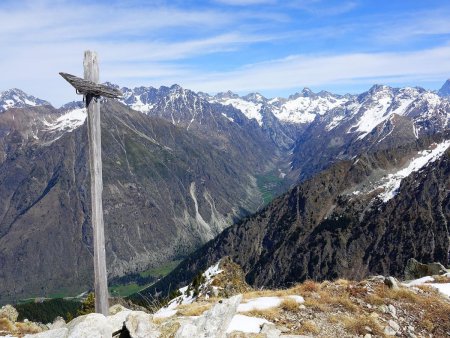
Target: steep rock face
x,y
338,223
166,191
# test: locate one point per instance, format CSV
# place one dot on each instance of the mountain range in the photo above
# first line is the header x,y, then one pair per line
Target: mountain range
x,y
181,167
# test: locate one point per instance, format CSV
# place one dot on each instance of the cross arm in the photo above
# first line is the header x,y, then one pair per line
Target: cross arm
x,y
86,87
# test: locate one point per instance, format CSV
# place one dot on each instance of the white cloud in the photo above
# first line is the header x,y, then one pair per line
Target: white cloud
x,y
321,70
161,45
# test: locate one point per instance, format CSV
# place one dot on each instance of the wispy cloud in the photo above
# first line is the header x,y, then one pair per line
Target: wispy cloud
x,y
324,70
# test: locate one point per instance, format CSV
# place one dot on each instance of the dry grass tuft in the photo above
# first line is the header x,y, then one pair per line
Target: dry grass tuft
x,y
375,299
308,326
307,287
316,304
344,301
194,309
272,314
441,279
342,282
396,294
28,328
271,293
6,325
357,325
431,309
289,304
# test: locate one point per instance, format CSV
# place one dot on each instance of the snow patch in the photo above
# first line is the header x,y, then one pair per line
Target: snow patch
x,y
392,181
69,121
246,324
372,117
443,288
228,118
264,303
186,297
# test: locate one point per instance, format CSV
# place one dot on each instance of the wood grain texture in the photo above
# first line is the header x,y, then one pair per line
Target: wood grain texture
x,y
91,73
86,87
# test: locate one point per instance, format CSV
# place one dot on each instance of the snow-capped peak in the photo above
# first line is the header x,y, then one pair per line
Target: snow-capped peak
x,y
305,106
249,107
69,121
16,98
255,98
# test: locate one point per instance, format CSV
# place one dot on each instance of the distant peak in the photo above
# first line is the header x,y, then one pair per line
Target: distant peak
x,y
17,98
226,95
306,90
111,85
255,97
176,87
445,89
378,88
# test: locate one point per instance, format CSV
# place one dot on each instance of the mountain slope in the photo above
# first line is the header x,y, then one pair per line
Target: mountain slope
x,y
166,191
339,224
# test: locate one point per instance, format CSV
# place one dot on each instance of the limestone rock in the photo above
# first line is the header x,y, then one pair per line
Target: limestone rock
x,y
139,325
213,323
93,325
9,312
58,323
117,308
117,321
392,328
392,310
54,333
270,330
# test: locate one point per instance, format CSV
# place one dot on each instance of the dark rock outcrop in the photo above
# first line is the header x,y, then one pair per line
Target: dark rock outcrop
x,y
415,269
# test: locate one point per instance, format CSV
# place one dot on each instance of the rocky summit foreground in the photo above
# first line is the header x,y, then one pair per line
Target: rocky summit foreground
x,y
209,307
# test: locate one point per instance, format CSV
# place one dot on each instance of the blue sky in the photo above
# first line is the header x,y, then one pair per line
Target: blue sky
x,y
271,46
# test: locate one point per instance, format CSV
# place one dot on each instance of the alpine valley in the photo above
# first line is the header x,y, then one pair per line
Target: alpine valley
x,y
313,186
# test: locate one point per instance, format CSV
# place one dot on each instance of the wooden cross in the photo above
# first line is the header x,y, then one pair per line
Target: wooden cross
x,y
92,91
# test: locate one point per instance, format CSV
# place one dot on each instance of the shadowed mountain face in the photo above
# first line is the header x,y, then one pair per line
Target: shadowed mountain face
x,y
360,217
166,192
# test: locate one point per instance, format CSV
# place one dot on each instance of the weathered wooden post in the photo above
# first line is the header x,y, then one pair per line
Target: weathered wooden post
x,y
92,91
